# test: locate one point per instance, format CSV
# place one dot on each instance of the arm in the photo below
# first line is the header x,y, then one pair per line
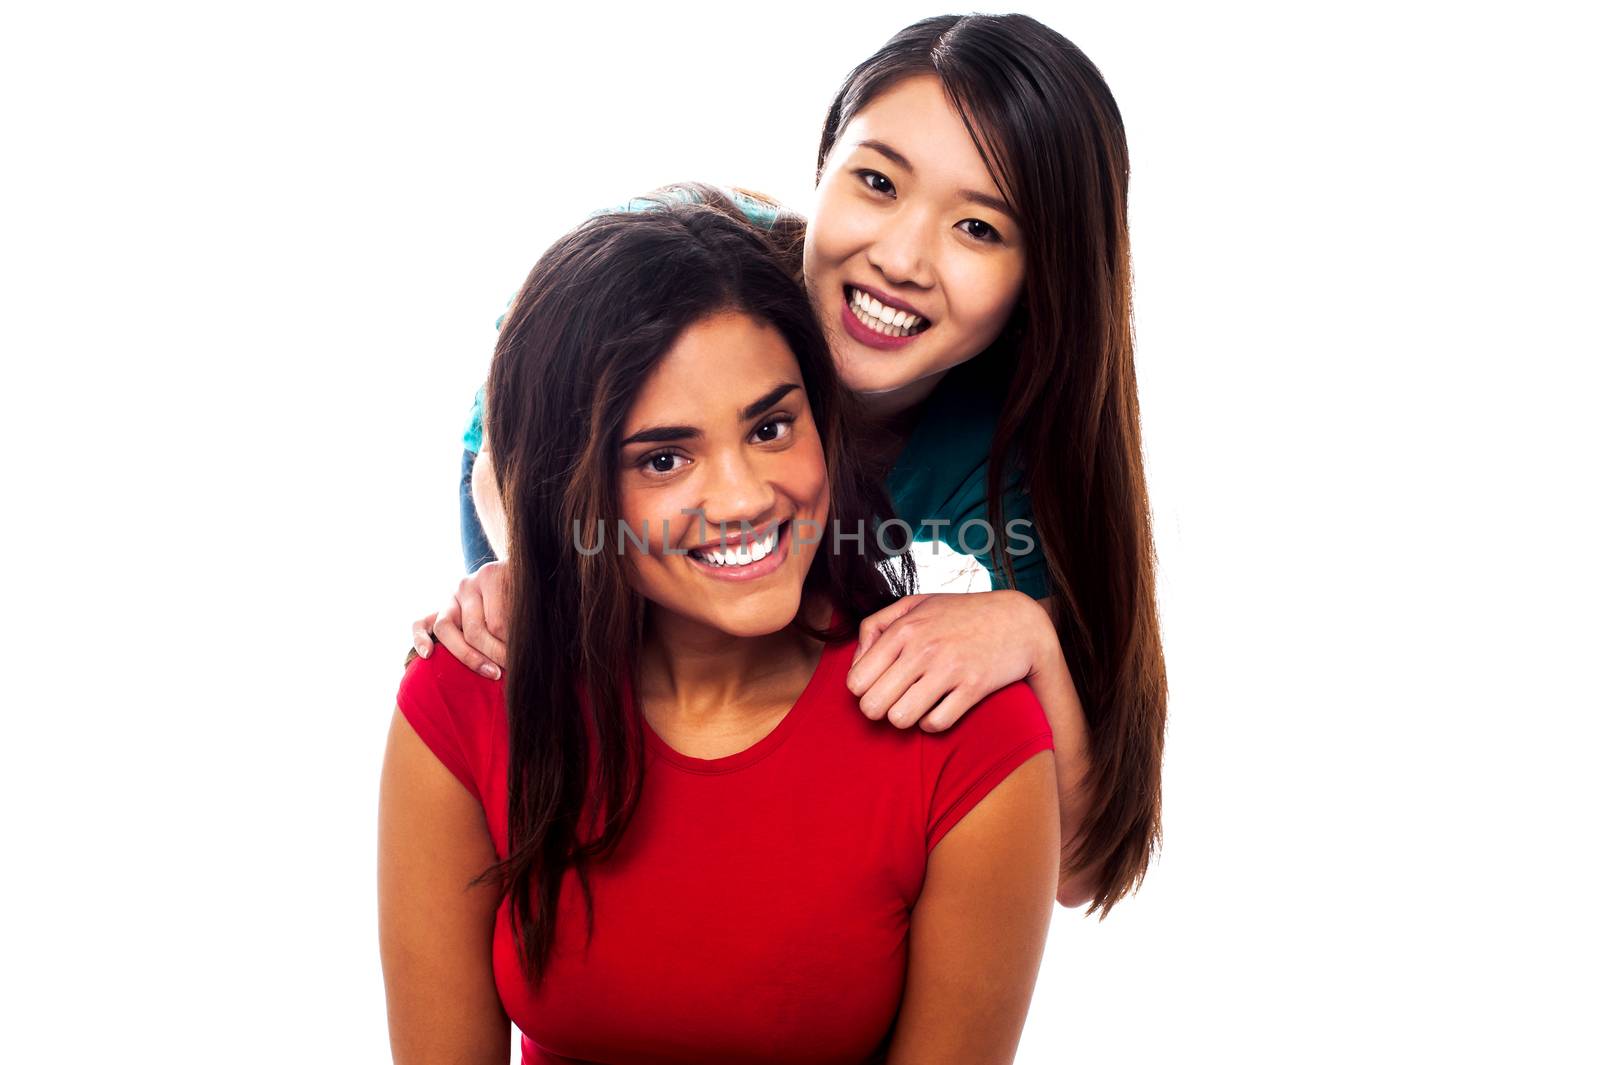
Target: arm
x,y
928,659
435,935
978,928
1052,685
486,497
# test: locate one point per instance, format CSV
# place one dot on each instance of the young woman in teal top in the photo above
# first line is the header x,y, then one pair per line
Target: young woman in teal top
x,y
968,260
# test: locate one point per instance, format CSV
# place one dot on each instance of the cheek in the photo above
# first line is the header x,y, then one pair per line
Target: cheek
x,y
637,508
809,485
633,509
981,299
839,229
980,293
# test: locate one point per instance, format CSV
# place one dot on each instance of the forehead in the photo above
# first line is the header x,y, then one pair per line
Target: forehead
x,y
716,366
917,118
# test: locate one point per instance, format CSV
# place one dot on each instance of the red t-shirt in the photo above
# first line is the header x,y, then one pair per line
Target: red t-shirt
x,y
758,907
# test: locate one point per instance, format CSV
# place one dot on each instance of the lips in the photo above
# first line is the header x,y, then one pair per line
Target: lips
x,y
886,299
766,537
749,571
866,335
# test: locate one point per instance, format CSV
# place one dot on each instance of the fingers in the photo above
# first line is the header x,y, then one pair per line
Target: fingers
x,y
937,700
882,694
491,584
472,624
874,626
449,633
475,630
917,665
420,636
918,699
869,665
952,708
494,649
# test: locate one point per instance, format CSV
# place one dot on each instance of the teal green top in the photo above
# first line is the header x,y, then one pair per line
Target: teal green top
x,y
939,485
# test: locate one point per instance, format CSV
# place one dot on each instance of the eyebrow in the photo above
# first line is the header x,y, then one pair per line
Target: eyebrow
x,y
982,199
663,434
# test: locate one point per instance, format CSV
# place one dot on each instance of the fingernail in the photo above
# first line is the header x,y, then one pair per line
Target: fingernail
x,y
490,670
423,647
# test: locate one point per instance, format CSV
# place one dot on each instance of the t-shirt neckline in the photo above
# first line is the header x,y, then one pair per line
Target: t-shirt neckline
x,y
809,695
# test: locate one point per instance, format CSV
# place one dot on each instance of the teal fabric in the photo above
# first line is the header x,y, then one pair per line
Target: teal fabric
x,y
762,214
942,477
473,437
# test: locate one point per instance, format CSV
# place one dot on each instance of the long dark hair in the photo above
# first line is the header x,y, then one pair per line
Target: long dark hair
x,y
1071,415
599,310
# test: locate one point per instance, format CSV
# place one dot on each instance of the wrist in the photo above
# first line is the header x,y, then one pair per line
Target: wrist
x,y
1044,648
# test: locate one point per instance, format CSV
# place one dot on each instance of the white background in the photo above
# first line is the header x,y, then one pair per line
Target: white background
x,y
252,257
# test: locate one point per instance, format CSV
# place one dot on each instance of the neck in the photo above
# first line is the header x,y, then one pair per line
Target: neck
x,y
883,435
694,674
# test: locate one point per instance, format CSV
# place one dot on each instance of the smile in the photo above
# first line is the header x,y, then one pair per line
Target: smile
x,y
747,560
881,318
863,325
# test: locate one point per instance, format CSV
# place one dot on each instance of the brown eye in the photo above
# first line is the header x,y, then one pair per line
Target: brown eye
x,y
870,176
660,463
982,231
774,429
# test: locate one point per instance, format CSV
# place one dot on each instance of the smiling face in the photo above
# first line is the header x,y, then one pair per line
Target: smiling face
x,y
722,426
908,226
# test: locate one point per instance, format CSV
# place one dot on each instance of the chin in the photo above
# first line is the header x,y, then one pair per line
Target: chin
x,y
886,377
760,615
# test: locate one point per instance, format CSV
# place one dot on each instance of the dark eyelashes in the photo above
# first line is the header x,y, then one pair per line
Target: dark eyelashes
x,y
776,419
644,461
993,235
866,175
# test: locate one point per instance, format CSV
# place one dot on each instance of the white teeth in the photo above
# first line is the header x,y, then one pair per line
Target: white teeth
x,y
743,555
890,321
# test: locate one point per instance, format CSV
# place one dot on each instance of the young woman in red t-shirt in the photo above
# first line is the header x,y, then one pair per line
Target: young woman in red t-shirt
x,y
669,835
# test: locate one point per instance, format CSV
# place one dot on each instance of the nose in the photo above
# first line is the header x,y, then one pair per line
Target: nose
x,y
735,491
903,250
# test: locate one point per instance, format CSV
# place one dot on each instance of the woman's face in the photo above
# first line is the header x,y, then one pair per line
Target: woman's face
x,y
907,214
722,430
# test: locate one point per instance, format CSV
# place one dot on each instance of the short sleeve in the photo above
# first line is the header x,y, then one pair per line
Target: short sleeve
x,y
445,714
965,762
